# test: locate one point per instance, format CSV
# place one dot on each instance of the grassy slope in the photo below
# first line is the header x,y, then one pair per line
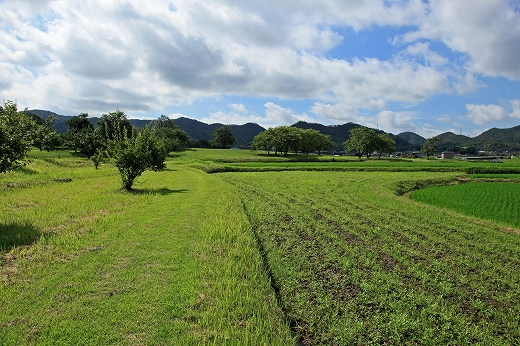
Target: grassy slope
x,y
174,263
356,264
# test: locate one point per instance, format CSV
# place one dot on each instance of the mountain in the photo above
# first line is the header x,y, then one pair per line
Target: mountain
x,y
498,139
452,142
492,140
412,138
244,134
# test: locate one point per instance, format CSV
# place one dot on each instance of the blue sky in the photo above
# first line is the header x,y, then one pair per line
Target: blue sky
x,y
398,65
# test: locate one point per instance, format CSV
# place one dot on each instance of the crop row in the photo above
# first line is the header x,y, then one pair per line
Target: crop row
x,y
355,264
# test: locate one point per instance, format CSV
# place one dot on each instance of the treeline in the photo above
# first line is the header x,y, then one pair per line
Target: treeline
x,y
283,139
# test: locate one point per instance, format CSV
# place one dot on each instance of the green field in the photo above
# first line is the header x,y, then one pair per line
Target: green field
x,y
282,248
496,201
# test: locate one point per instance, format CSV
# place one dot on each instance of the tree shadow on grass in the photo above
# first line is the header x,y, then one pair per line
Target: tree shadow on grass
x,y
17,234
27,171
162,191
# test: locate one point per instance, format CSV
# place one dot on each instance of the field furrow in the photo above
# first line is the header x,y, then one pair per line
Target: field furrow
x,y
354,264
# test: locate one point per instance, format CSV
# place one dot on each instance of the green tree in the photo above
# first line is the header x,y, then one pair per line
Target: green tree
x,y
264,140
384,144
223,137
362,140
430,145
137,153
113,125
90,142
170,134
44,135
78,125
16,131
324,143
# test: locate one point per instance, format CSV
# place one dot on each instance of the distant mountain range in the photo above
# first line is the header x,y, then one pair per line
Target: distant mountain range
x,y
491,140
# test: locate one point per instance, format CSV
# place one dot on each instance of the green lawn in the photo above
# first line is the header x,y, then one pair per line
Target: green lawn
x,y
251,258
173,263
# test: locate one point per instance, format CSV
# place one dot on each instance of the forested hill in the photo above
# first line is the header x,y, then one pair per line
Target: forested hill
x,y
492,139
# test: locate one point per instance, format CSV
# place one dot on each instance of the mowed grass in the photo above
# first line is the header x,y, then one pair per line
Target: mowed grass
x,y
354,264
495,201
85,262
235,258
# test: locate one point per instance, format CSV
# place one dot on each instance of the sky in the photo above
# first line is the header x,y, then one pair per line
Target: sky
x,y
426,66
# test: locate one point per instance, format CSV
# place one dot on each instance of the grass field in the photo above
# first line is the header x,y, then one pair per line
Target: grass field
x,y
173,263
496,201
251,258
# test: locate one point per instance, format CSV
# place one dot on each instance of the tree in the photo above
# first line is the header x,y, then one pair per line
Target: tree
x,y
16,131
78,126
135,154
362,140
264,140
384,144
285,138
90,142
170,134
430,145
44,135
114,124
223,137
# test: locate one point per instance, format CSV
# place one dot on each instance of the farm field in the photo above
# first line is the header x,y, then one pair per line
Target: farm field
x,y
251,257
496,201
355,264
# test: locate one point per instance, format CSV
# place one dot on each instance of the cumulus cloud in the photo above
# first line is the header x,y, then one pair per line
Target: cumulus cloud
x,y
396,122
481,114
275,115
75,56
487,31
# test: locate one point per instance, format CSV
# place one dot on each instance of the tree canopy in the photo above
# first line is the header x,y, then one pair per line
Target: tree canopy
x,y
283,139
172,136
135,154
223,137
366,141
430,145
16,133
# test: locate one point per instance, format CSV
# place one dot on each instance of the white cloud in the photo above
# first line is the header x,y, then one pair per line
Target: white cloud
x,y
488,31
238,107
396,122
275,115
94,56
481,114
516,109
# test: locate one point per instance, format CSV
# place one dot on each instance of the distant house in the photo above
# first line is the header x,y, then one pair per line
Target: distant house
x,y
447,155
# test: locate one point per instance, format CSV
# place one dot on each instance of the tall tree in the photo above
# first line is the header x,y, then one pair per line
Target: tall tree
x,y
264,140
384,144
223,137
362,140
78,126
44,135
113,125
430,145
170,134
16,132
